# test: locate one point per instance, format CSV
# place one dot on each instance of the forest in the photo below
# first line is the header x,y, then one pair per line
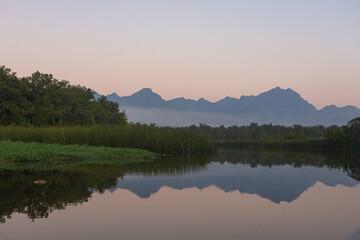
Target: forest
x,y
42,100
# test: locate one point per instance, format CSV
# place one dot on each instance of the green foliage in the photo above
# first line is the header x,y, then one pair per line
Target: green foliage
x,y
283,137
42,100
40,155
255,131
354,130
106,112
13,100
347,137
156,139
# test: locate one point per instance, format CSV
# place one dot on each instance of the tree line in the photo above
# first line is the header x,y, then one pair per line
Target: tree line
x,y
255,131
339,137
347,136
42,100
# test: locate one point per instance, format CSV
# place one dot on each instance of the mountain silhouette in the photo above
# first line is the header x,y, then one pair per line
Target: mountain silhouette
x,y
145,98
276,106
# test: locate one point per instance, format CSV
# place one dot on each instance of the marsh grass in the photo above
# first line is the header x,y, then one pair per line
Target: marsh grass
x,y
155,139
20,155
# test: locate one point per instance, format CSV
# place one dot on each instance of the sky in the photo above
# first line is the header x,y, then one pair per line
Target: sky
x,y
189,48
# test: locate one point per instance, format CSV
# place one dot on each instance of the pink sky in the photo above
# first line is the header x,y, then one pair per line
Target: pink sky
x,y
193,49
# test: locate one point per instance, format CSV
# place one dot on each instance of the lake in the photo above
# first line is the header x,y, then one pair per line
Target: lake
x,y
230,195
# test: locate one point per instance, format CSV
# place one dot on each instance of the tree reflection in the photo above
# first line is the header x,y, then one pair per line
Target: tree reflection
x,y
353,169
74,184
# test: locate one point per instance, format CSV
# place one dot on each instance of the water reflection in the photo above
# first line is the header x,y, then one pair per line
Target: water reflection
x,y
277,176
74,184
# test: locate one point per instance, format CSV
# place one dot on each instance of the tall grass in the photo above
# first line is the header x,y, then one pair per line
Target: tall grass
x,y
156,139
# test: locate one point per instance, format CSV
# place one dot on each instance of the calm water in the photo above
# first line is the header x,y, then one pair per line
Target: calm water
x,y
232,195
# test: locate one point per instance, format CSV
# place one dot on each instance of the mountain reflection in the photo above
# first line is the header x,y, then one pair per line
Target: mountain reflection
x,y
277,176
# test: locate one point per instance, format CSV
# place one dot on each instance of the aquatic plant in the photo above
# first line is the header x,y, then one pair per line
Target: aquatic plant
x,y
20,155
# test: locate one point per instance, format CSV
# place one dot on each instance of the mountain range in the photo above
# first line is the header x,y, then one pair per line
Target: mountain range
x,y
276,106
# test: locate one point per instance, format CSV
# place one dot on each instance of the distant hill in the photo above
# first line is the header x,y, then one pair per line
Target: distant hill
x,y
276,106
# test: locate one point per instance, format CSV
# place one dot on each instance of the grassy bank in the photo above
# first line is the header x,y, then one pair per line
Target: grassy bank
x,y
155,139
20,155
280,144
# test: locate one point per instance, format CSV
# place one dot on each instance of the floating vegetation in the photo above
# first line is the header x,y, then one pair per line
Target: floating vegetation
x,y
20,155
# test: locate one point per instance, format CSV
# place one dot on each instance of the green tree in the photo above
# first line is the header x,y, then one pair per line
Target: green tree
x,y
353,128
13,103
42,100
107,112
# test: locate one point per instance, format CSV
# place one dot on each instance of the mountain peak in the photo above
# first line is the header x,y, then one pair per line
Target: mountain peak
x,y
276,89
146,90
143,98
280,91
203,100
113,95
227,100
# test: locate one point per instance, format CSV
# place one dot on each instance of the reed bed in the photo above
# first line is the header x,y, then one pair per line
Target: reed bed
x,y
165,140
